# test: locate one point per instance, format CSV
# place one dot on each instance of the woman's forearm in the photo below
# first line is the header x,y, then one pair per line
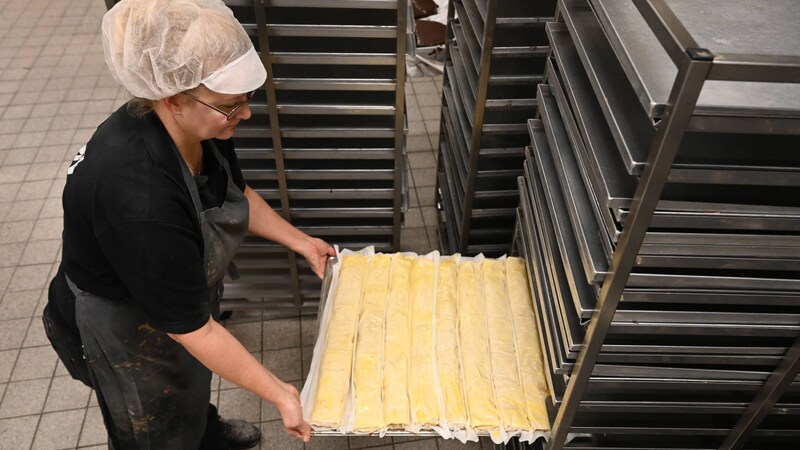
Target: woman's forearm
x,y
268,224
224,355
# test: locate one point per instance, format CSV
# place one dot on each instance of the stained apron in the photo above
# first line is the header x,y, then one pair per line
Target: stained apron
x,y
153,393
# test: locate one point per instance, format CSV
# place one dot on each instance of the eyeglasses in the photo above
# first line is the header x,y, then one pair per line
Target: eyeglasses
x,y
228,115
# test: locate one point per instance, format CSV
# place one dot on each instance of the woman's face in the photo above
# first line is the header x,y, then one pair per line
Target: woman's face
x,y
206,111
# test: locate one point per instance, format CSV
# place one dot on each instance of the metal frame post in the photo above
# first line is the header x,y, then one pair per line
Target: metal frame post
x,y
477,127
766,398
272,103
399,120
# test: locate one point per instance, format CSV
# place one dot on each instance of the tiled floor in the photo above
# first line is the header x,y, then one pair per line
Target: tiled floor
x,y
54,90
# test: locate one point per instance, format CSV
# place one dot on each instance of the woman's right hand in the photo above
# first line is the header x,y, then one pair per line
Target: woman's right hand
x,y
292,413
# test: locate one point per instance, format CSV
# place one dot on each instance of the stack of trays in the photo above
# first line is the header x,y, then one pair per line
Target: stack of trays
x,y
496,51
712,304
326,143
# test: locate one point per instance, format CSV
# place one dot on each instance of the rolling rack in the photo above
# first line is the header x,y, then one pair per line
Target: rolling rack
x,y
326,143
494,58
659,221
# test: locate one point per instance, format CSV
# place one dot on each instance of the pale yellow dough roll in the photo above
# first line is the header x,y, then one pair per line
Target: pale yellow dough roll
x,y
424,402
397,345
529,350
447,361
508,390
333,385
475,354
368,368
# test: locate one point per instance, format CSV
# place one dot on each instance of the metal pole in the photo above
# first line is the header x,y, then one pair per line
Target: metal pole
x,y
272,103
692,72
444,243
474,148
766,398
399,120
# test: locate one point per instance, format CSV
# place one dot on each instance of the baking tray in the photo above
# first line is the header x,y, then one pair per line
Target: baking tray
x,y
684,205
560,362
557,378
561,285
721,26
659,248
593,78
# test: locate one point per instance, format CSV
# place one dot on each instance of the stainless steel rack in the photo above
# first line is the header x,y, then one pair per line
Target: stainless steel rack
x,y
326,143
495,55
656,218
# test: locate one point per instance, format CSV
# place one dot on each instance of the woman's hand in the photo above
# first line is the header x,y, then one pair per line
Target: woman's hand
x,y
316,251
292,413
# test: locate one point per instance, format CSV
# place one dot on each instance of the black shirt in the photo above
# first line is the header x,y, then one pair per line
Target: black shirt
x,y
131,231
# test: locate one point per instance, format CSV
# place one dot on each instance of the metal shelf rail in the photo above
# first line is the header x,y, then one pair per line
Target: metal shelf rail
x,y
494,58
665,280
326,143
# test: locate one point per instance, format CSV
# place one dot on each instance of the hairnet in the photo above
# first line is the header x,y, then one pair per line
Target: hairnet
x,y
158,48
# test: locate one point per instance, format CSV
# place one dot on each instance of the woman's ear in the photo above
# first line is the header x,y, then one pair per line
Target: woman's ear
x,y
174,104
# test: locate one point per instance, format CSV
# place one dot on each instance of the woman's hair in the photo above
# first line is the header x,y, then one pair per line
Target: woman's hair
x,y
140,107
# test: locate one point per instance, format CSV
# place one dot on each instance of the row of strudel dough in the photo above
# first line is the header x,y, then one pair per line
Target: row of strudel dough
x,y
431,341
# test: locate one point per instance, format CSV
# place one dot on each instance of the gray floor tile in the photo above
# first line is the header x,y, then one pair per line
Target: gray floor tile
x,y
308,329
49,228
239,404
93,432
41,252
11,253
32,190
59,430
12,333
8,358
454,444
24,210
36,335
424,444
66,393
30,277
249,334
24,397
281,333
286,364
34,363
274,437
328,443
18,432
357,442
18,305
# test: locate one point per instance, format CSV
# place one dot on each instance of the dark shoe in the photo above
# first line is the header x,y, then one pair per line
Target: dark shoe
x,y
239,434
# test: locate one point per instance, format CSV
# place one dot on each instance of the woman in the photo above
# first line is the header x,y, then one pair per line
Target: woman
x,y
154,208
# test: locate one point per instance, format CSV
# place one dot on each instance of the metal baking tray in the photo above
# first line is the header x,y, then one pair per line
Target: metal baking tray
x,y
560,248
581,214
718,26
768,251
556,378
593,78
554,216
684,205
560,362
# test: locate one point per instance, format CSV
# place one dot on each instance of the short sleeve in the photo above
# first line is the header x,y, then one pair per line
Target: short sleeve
x,y
161,264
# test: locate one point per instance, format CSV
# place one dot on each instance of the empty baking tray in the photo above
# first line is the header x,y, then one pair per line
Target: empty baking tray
x,y
724,26
682,205
588,64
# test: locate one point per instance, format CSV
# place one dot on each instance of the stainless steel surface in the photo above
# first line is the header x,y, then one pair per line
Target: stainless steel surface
x,y
724,26
682,100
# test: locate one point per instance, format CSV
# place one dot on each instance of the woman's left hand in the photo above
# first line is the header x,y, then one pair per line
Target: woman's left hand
x,y
316,251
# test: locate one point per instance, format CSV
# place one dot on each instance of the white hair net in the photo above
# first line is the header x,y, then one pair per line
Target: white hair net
x,y
158,48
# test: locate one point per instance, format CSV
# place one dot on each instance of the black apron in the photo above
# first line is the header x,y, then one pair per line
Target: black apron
x,y
153,393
